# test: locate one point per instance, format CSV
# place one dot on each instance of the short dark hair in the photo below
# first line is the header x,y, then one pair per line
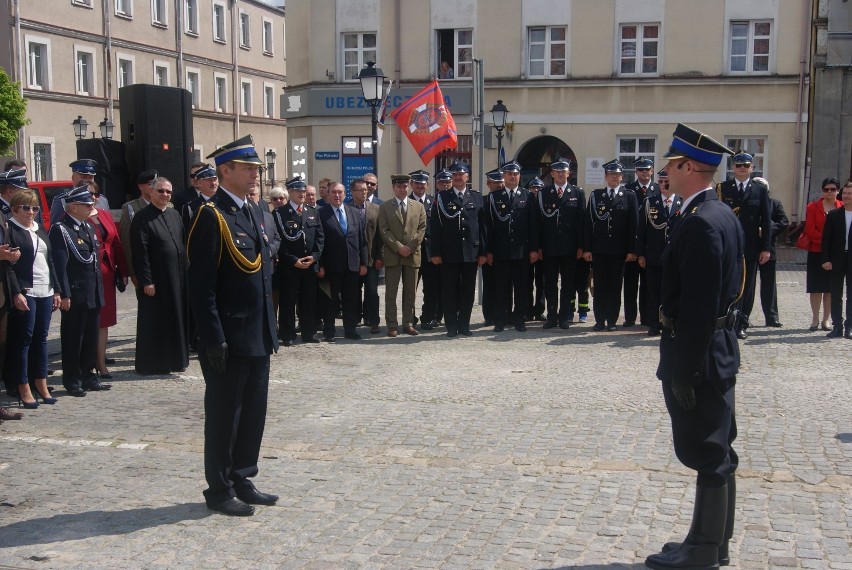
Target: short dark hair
x,y
14,163
830,180
356,181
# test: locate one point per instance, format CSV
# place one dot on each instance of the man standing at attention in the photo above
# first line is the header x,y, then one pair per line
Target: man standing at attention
x,y
699,356
837,259
230,288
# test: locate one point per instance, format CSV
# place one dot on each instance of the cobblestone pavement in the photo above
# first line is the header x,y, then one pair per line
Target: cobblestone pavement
x,y
513,451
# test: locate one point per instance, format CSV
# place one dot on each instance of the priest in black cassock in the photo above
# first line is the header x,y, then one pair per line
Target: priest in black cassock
x,y
159,258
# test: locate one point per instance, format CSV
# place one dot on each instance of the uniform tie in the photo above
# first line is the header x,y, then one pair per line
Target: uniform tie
x,y
299,209
559,191
610,193
742,190
668,206
341,219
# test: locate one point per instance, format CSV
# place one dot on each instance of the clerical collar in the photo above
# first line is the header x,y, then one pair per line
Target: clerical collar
x,y
237,200
688,201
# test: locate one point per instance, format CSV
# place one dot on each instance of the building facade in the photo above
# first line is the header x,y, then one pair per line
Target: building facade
x,y
588,80
72,57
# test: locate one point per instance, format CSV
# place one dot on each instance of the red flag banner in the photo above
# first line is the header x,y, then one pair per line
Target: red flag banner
x,y
427,122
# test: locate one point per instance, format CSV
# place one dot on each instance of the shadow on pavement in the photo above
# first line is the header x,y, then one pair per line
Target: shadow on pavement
x,y
613,565
78,526
844,437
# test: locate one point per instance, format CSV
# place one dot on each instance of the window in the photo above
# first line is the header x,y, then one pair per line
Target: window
x,y
158,13
125,71
191,16
245,97
245,30
632,147
193,85
456,48
38,64
750,42
219,23
85,3
267,36
268,101
220,94
43,162
124,8
639,49
161,73
547,49
755,146
462,152
84,77
358,49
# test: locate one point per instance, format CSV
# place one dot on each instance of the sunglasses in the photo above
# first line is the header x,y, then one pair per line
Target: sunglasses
x,y
161,191
371,183
28,208
743,165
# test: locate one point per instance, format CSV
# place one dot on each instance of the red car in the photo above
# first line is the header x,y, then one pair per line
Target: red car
x,y
47,190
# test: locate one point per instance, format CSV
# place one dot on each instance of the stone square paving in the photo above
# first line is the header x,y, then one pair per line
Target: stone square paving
x,y
539,450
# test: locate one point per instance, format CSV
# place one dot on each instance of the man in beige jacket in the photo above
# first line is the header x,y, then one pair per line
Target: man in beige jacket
x,y
402,225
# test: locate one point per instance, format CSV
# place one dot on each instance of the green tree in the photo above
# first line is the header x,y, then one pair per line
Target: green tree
x,y
13,113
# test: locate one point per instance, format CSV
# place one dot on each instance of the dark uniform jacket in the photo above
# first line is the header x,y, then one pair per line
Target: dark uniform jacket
x,y
230,294
611,225
189,209
702,273
270,228
79,281
754,212
347,251
560,221
636,188
21,272
426,244
459,228
834,245
654,227
301,235
779,223
510,224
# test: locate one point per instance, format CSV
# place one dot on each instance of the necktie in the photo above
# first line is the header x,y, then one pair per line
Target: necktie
x,y
341,219
610,192
560,191
299,210
402,206
668,206
742,190
460,195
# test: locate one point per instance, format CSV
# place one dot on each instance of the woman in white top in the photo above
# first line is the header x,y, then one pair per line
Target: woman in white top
x,y
32,283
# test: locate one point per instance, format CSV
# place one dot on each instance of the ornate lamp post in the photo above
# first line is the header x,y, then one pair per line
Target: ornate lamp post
x,y
499,112
372,86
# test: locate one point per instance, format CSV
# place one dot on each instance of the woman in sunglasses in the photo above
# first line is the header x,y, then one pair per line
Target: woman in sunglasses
x,y
33,286
817,277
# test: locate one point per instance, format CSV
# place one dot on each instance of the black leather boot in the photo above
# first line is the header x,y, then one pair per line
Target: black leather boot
x,y
724,556
700,550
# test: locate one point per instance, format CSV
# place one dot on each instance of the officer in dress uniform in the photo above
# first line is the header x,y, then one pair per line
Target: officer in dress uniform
x,y
609,242
302,241
655,215
494,182
430,312
510,233
560,212
206,182
459,236
74,248
768,288
230,288
11,182
634,278
536,305
82,170
699,356
749,199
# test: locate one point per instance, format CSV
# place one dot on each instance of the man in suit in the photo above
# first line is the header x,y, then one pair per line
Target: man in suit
x,y
402,225
344,261
368,212
699,356
429,273
837,258
610,242
302,242
230,289
510,236
749,199
204,185
458,245
634,278
655,215
561,213
74,248
144,182
768,288
372,182
82,170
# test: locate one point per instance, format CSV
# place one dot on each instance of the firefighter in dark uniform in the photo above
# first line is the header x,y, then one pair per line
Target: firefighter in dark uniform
x,y
74,248
510,228
430,312
230,288
561,213
655,215
458,232
494,181
205,178
749,199
699,356
302,241
609,242
535,312
634,278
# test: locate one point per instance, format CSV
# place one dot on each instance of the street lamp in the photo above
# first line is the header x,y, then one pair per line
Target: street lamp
x,y
499,112
270,166
81,126
372,85
107,128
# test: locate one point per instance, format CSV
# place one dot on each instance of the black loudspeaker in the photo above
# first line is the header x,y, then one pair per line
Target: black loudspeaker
x,y
156,129
113,177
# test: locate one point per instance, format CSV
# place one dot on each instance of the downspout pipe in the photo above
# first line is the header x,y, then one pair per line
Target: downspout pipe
x,y
19,76
802,182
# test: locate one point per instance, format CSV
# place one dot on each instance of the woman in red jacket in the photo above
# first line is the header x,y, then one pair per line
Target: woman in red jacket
x,y
113,264
817,277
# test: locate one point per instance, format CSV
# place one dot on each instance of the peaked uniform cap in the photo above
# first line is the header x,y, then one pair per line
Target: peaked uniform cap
x,y
689,143
240,150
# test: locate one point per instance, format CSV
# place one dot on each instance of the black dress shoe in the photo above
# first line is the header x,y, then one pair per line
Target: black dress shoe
x,y
499,328
452,334
328,339
487,323
835,333
848,334
427,325
612,328
233,507
521,327
310,340
465,332
252,496
776,324
98,387
653,331
599,327
565,325
287,342
353,336
741,334
549,324
628,324
76,392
